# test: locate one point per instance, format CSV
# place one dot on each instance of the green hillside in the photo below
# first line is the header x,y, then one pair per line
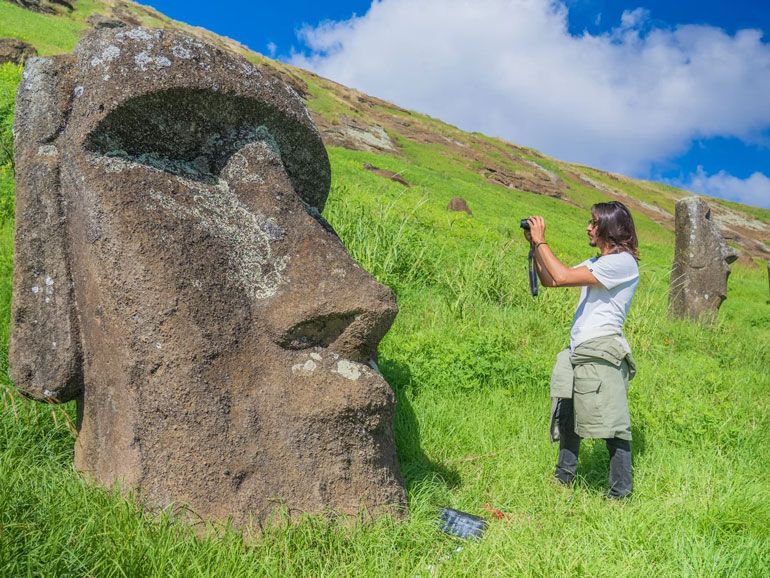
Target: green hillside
x,y
469,358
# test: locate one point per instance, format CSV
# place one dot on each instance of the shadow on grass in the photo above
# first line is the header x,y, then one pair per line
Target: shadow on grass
x,y
415,465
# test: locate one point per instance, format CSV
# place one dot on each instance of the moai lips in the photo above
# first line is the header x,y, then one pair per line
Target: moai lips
x,y
209,321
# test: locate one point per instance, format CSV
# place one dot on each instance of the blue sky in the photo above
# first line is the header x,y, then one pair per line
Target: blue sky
x,y
677,92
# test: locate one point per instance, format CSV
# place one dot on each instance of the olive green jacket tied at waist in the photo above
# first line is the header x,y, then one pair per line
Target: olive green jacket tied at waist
x,y
595,375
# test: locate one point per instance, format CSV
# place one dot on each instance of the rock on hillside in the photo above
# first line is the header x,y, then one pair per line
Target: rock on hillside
x,y
15,51
42,6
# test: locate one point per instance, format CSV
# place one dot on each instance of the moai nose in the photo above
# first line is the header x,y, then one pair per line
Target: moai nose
x,y
325,298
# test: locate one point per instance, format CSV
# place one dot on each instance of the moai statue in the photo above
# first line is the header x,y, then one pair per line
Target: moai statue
x,y
174,275
459,204
701,263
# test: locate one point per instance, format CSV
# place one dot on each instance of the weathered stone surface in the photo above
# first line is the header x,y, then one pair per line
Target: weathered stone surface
x,y
15,50
701,263
459,204
173,273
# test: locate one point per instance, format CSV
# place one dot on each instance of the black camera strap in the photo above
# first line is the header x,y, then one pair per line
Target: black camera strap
x,y
532,273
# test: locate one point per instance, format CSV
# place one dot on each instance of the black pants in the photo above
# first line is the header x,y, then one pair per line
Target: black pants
x,y
569,448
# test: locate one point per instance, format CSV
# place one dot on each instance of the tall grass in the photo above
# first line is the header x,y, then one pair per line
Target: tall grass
x,y
383,243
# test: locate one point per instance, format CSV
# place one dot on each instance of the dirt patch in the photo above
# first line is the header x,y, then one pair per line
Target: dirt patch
x,y
395,177
540,181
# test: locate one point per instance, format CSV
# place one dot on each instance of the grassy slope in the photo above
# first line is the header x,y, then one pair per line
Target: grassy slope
x,y
469,357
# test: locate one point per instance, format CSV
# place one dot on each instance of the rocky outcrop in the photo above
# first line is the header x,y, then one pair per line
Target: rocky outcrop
x,y
173,274
538,181
357,135
42,6
100,21
699,275
15,51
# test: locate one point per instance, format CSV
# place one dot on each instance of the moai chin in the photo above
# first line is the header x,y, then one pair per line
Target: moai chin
x,y
174,275
701,266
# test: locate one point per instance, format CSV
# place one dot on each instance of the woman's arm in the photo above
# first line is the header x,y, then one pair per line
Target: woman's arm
x,y
552,272
545,278
542,272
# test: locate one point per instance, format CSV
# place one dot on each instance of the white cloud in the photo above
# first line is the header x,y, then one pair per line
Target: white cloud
x,y
755,190
271,48
620,101
633,18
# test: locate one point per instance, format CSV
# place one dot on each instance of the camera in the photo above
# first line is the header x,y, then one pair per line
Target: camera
x,y
524,224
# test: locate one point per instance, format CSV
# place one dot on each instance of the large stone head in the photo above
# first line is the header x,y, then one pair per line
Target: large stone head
x,y
173,274
701,266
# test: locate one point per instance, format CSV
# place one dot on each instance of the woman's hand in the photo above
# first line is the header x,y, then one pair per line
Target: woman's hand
x,y
536,230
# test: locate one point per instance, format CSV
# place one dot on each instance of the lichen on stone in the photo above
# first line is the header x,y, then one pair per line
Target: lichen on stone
x,y
247,235
181,52
107,55
348,369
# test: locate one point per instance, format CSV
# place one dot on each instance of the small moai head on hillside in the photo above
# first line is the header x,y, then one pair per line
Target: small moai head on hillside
x,y
174,275
459,204
701,266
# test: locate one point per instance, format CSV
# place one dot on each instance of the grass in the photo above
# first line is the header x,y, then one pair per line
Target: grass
x,y
469,358
323,101
50,34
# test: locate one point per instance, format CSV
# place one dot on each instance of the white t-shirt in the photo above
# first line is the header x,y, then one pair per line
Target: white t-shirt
x,y
602,309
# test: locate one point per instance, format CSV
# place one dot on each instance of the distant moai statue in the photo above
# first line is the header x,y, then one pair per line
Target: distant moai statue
x,y
459,204
174,275
701,266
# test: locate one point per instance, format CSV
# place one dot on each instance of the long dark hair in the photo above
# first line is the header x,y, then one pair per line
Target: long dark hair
x,y
615,226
